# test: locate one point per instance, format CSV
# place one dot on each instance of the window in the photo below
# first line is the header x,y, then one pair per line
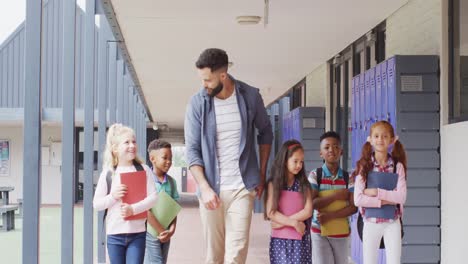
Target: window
x,y
458,56
298,96
355,59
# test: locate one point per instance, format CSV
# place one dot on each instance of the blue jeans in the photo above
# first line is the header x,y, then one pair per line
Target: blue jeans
x,y
156,252
126,248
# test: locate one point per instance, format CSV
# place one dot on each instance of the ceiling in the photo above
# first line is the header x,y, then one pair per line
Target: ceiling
x,y
164,39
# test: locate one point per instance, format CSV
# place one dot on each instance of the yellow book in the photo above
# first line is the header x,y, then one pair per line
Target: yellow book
x,y
337,226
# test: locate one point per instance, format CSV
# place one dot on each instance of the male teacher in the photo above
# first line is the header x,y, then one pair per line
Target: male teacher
x,y
220,125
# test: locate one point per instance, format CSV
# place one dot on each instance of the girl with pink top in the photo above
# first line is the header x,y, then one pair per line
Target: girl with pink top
x,y
125,238
376,159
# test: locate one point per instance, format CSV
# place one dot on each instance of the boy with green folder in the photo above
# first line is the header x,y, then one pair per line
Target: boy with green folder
x,y
162,217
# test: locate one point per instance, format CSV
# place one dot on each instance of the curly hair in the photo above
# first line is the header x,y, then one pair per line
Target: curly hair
x,y
212,58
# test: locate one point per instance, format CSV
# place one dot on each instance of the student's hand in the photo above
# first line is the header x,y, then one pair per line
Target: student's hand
x,y
209,198
342,194
165,236
323,218
259,188
126,210
371,192
300,227
119,191
275,225
385,202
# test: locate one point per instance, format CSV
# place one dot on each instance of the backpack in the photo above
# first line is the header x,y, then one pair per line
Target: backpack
x,y
109,174
172,185
360,222
319,173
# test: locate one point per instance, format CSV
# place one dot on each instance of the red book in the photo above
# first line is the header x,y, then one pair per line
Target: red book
x,y
136,190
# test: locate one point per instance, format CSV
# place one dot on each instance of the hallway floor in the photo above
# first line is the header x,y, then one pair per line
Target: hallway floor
x,y
186,245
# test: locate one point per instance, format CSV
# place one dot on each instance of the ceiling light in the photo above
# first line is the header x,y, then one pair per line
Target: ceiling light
x,y
248,20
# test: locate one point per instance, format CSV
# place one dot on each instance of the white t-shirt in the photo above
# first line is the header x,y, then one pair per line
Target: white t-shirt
x,y
228,133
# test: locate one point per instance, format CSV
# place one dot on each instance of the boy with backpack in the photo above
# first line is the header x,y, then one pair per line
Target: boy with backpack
x,y
331,186
157,248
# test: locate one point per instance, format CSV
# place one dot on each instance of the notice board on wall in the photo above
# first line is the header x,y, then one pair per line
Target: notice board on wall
x,y
4,157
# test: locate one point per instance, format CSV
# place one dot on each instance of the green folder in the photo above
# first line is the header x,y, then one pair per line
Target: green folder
x,y
165,210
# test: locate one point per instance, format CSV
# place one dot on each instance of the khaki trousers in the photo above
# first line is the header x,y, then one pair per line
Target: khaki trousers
x,y
226,229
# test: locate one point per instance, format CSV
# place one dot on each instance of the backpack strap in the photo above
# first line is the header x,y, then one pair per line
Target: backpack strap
x,y
319,173
346,178
138,166
172,185
109,185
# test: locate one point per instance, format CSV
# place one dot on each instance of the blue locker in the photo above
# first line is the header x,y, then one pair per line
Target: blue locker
x,y
355,83
296,124
412,111
285,127
367,100
378,92
384,93
391,91
299,125
373,102
362,114
353,120
355,111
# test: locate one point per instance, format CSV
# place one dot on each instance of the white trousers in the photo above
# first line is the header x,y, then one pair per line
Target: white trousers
x,y
373,233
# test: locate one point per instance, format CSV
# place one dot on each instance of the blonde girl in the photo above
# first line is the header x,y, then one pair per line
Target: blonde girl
x,y
125,238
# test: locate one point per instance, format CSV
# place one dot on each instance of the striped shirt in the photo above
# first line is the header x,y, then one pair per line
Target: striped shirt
x,y
328,182
228,132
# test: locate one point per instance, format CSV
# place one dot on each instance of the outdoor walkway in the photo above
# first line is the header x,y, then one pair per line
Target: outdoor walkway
x,y
186,246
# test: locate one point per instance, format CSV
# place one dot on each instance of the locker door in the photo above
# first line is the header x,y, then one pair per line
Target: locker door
x,y
373,112
353,118
297,128
356,107
368,100
285,127
362,114
378,92
384,93
391,89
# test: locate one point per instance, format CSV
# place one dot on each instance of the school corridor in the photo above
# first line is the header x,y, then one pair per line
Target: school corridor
x,y
71,68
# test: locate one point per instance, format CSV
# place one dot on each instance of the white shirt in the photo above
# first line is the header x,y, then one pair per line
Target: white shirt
x,y
116,224
228,132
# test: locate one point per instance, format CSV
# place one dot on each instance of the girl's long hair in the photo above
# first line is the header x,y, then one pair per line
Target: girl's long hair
x,y
278,175
113,139
364,165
